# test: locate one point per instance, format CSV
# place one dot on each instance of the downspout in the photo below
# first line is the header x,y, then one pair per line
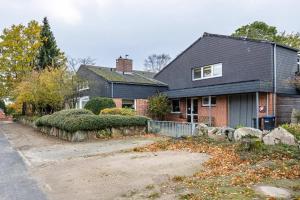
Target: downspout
x,y
112,90
275,79
209,114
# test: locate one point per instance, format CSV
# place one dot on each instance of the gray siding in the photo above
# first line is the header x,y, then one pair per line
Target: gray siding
x,y
284,107
242,61
132,91
101,87
286,68
98,86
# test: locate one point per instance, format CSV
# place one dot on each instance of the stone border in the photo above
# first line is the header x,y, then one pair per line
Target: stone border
x,y
80,136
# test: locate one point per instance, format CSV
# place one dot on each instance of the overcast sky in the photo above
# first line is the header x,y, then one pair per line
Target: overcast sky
x,y
106,29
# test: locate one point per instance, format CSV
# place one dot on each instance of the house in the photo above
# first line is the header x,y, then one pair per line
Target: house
x,y
128,87
228,81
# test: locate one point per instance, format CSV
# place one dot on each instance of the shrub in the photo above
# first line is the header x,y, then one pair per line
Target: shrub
x,y
118,111
293,129
57,118
82,121
99,103
159,106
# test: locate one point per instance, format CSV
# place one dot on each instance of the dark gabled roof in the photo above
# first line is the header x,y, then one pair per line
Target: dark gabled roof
x,y
205,34
250,40
135,77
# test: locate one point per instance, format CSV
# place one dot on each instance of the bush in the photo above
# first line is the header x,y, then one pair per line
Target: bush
x,y
57,118
159,106
293,129
99,103
118,111
80,121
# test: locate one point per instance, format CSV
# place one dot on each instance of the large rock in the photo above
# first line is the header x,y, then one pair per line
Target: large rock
x,y
274,192
279,136
227,132
247,131
202,129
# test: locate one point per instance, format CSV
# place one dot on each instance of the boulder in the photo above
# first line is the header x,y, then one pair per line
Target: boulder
x,y
279,136
227,132
247,131
202,129
272,191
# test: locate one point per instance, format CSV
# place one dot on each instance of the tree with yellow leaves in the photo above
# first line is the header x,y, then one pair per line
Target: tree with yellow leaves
x,y
45,91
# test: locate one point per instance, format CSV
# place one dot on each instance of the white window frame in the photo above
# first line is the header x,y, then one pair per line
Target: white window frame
x,y
81,99
134,103
212,72
83,86
207,105
175,112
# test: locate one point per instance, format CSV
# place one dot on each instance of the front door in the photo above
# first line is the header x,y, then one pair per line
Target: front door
x,y
192,110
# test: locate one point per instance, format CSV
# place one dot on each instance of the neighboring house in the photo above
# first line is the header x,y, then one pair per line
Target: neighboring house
x,y
128,87
227,81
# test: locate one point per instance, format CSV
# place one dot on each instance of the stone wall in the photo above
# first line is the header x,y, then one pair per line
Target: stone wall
x,y
80,136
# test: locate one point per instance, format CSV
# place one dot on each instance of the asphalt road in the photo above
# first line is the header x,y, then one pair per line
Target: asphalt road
x,y
15,182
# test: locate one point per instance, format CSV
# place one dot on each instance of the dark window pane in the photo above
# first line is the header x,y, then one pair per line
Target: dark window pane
x,y
175,105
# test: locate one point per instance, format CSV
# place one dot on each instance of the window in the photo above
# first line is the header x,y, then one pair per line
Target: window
x,y
209,71
83,85
205,101
128,103
197,73
175,106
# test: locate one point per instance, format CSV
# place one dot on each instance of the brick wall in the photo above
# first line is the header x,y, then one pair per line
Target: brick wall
x,y
118,102
263,103
141,106
219,112
179,117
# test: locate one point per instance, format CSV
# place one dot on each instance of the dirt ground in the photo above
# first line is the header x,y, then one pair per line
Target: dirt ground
x,y
103,169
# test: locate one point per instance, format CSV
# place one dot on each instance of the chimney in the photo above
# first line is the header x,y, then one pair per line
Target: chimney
x,y
124,64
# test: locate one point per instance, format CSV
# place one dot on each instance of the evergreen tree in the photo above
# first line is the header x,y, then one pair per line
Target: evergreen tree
x,y
49,54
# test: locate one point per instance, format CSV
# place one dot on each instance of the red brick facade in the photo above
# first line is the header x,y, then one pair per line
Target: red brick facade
x,y
219,112
141,105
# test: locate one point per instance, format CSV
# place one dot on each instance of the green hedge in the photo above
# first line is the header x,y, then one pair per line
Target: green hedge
x,y
99,103
89,122
118,111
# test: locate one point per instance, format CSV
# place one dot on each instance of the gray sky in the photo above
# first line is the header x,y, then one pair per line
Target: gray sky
x,y
106,29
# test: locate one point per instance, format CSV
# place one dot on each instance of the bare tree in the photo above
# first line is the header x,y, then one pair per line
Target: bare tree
x,y
73,65
156,62
87,61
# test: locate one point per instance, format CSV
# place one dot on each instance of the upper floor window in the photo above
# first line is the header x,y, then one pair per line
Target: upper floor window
x,y
209,71
175,106
83,85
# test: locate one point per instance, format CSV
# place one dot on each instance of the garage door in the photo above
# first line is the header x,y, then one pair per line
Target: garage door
x,y
242,110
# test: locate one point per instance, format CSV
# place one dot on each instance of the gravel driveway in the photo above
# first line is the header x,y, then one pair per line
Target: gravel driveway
x,y
98,170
